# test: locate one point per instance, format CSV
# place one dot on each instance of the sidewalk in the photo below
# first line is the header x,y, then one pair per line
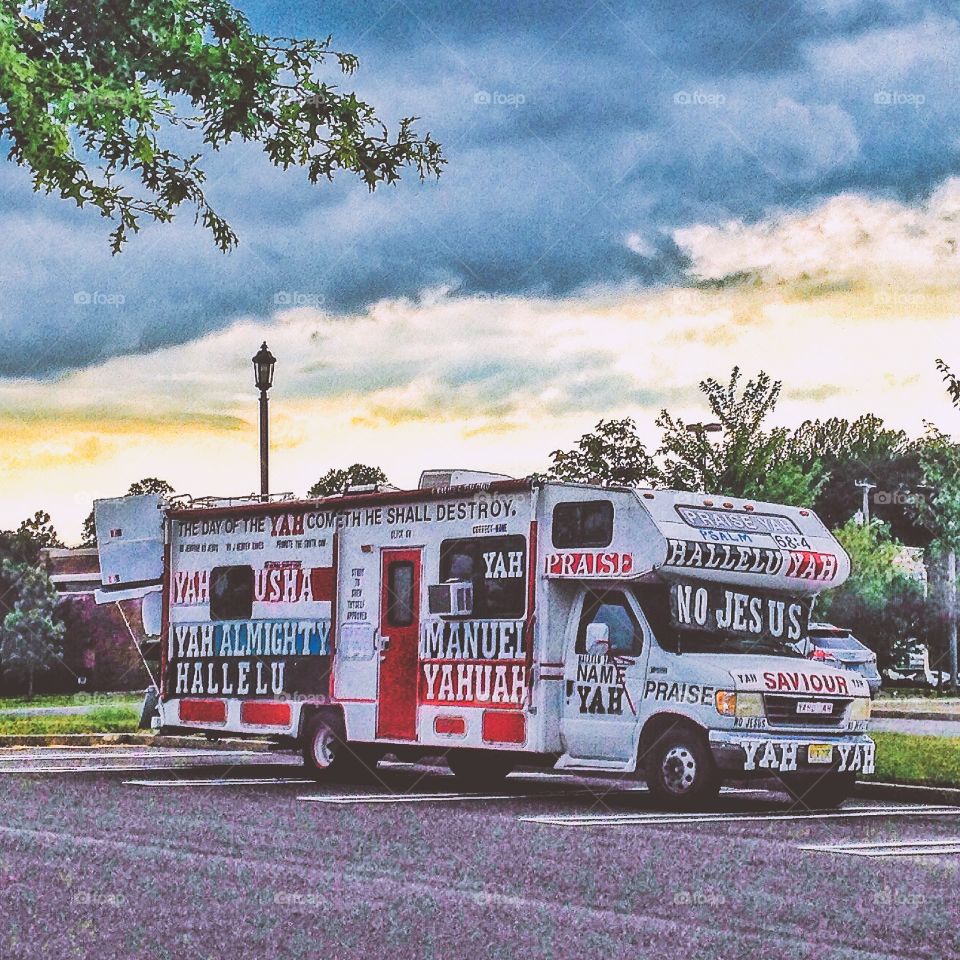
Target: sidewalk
x,y
916,708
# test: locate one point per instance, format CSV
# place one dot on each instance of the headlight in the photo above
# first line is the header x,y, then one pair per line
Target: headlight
x,y
750,705
731,704
860,709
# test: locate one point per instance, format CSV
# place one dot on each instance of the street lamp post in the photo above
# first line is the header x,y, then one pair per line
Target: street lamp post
x,y
263,364
701,430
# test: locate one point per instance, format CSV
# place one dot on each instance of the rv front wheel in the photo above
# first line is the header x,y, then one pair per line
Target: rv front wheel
x,y
680,770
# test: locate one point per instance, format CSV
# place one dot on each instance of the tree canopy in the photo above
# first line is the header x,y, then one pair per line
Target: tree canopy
x,y
92,93
335,481
30,635
611,454
750,459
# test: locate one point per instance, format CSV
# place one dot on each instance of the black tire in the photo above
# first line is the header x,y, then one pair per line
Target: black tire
x,y
479,769
326,753
680,771
818,791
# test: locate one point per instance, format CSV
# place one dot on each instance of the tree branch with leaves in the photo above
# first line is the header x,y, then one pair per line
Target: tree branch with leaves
x,y
88,87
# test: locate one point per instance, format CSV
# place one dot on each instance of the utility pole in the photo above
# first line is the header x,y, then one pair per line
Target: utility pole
x,y
952,615
866,486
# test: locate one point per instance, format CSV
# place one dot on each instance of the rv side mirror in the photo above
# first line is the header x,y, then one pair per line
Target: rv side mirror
x,y
598,639
454,599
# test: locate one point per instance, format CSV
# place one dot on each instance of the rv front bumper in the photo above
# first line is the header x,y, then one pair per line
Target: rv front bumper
x,y
756,753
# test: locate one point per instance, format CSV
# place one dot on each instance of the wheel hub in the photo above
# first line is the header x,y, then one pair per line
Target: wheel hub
x,y
679,770
323,748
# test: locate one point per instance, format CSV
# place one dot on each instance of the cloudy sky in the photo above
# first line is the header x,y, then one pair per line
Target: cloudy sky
x,y
637,196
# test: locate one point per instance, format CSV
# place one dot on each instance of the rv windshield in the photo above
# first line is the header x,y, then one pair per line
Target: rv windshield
x,y
655,601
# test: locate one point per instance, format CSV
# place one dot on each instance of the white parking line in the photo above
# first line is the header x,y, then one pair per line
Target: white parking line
x,y
652,819
102,768
114,753
216,782
377,798
892,848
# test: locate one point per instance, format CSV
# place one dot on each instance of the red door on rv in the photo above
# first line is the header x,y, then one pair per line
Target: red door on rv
x,y
400,639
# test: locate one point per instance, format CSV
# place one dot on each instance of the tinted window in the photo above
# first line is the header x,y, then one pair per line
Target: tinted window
x,y
584,524
613,610
231,593
400,593
497,568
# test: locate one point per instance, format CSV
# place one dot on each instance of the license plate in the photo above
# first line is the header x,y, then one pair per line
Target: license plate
x,y
820,753
814,706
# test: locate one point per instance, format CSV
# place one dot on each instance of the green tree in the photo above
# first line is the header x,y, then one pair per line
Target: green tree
x,y
749,460
336,481
39,531
611,454
88,536
951,380
88,86
30,636
850,451
880,602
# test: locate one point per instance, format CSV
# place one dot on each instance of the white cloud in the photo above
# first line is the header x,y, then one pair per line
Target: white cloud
x,y
846,238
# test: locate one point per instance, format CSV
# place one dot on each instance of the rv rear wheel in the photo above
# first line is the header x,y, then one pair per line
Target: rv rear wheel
x,y
818,791
479,769
325,753
680,771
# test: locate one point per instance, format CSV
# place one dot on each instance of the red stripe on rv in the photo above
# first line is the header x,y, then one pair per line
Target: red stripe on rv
x,y
503,727
203,711
265,713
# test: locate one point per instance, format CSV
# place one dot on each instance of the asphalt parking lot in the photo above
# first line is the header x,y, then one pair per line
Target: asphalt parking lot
x,y
145,852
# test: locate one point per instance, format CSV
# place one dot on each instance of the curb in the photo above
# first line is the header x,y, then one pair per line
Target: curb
x,y
871,790
883,713
130,739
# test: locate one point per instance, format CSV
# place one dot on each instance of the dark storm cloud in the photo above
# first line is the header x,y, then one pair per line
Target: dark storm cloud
x,y
579,136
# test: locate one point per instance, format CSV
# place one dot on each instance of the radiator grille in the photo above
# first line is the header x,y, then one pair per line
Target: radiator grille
x,y
782,711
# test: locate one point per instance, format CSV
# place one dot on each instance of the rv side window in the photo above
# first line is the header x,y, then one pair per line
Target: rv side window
x,y
497,568
400,593
613,610
231,593
586,523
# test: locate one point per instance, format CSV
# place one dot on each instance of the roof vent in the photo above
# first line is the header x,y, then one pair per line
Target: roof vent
x,y
439,479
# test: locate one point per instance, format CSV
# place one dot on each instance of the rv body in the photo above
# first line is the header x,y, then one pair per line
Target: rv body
x,y
526,621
